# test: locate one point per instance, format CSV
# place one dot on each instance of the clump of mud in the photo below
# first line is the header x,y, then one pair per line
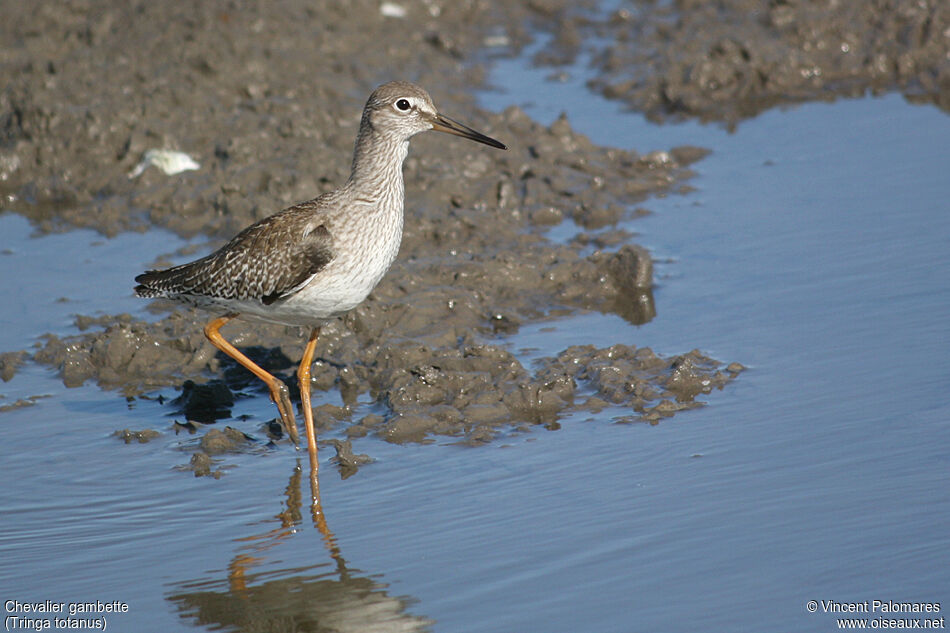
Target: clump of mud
x,y
345,459
202,465
475,391
732,59
9,363
128,355
20,403
210,448
141,437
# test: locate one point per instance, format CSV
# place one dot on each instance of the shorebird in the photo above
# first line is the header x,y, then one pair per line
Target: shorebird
x,y
317,259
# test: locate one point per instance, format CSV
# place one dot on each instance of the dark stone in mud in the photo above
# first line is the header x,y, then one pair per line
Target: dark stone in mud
x,y
205,403
271,359
274,430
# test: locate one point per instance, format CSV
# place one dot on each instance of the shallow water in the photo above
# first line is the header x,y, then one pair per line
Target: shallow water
x,y
815,252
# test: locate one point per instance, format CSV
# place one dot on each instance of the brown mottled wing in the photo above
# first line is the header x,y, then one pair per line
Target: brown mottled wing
x,y
266,261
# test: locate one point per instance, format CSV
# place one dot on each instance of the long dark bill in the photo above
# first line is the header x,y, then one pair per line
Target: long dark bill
x,y
443,123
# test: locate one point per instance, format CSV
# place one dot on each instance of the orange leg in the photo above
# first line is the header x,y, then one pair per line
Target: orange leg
x,y
303,375
278,390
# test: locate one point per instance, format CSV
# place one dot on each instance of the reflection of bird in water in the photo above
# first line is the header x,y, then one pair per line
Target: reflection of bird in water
x,y
309,598
298,600
320,258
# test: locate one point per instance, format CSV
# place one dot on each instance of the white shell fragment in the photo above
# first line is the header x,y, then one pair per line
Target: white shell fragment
x,y
392,10
169,161
496,41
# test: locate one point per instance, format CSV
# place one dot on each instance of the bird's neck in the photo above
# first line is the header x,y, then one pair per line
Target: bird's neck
x,y
377,167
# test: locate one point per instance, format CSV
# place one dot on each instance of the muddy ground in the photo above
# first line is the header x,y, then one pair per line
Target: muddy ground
x,y
267,98
731,59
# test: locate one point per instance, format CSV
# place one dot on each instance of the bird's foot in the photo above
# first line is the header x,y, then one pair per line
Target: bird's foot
x,y
280,395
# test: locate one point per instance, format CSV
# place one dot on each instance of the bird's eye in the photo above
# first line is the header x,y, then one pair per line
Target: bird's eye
x,y
403,104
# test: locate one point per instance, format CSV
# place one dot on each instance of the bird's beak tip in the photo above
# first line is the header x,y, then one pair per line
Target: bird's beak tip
x,y
442,123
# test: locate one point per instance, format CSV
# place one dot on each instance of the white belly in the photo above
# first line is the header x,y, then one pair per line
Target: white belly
x,y
345,282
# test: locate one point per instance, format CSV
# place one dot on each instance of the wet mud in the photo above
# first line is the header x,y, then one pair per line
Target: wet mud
x,y
9,363
141,437
266,101
731,59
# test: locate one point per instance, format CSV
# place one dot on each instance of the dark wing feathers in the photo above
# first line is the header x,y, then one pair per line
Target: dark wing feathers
x,y
311,254
266,261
